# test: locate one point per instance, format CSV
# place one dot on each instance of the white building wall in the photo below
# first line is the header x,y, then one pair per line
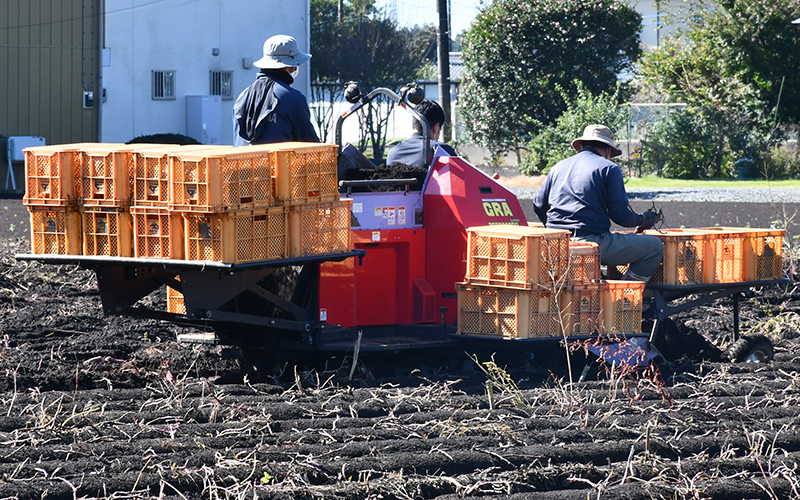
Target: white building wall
x,y
181,35
654,15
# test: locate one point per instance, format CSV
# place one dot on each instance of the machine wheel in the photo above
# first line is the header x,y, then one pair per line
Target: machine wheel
x,y
755,349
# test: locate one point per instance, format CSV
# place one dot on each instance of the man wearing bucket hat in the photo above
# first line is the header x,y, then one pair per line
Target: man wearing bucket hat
x,y
585,192
270,110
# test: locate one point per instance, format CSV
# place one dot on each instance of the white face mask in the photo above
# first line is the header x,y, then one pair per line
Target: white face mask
x,y
295,73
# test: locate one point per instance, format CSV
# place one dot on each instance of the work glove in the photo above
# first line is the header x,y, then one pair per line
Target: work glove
x,y
649,219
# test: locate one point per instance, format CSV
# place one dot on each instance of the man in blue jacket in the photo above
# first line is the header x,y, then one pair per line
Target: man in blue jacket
x,y
409,152
270,110
585,192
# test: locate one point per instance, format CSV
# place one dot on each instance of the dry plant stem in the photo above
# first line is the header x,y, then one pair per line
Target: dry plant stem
x,y
356,350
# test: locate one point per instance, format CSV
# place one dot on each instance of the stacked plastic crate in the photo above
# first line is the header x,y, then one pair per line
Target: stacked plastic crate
x,y
51,174
105,195
532,282
306,183
711,255
157,231
222,204
224,199
256,203
259,203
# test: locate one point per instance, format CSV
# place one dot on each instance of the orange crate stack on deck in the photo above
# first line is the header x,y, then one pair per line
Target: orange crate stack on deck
x,y
514,278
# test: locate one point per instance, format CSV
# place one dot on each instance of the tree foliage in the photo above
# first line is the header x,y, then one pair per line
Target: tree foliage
x,y
736,63
554,142
681,145
518,51
366,47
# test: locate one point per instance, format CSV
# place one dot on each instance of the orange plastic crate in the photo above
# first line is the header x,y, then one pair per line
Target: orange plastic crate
x,y
304,172
728,251
763,251
107,231
151,177
175,301
507,312
220,179
319,228
581,307
51,173
235,237
157,233
622,306
516,256
55,230
687,259
584,262
106,173
764,254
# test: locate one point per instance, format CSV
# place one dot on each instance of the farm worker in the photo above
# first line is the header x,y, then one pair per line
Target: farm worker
x,y
409,152
270,110
585,192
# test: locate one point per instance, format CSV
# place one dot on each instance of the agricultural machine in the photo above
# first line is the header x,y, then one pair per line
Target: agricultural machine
x,y
396,286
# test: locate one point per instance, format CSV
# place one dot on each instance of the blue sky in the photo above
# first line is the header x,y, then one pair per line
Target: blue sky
x,y
411,12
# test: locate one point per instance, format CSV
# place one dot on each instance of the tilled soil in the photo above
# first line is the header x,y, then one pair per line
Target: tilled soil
x,y
111,408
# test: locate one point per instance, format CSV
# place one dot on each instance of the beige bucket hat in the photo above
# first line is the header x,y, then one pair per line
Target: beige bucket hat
x,y
281,51
599,133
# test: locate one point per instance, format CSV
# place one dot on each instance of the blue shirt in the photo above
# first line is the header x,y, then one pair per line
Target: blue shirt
x,y
583,194
289,120
409,152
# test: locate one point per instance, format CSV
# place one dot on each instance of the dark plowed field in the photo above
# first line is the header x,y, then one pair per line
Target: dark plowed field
x,y
115,408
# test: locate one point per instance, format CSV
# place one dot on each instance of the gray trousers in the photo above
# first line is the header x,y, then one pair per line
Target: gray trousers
x,y
643,252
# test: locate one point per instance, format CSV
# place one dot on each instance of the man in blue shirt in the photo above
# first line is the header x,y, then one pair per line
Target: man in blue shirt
x,y
270,110
409,152
585,192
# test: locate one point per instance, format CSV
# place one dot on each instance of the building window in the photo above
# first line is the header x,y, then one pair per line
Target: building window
x,y
164,85
221,84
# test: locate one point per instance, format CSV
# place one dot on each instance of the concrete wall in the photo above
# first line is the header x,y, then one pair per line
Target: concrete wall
x,y
180,35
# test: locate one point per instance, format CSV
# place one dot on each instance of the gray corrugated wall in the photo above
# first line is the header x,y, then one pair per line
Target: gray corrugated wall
x,y
49,54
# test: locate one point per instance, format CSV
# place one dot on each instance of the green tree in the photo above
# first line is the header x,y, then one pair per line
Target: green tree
x,y
736,63
366,47
681,145
554,142
517,51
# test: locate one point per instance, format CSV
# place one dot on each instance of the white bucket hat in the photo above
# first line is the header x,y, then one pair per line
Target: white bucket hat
x,y
599,133
281,51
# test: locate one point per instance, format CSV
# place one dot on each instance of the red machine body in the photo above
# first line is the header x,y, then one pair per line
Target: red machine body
x,y
408,274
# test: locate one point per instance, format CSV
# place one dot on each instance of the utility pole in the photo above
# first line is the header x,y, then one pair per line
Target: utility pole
x,y
444,65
